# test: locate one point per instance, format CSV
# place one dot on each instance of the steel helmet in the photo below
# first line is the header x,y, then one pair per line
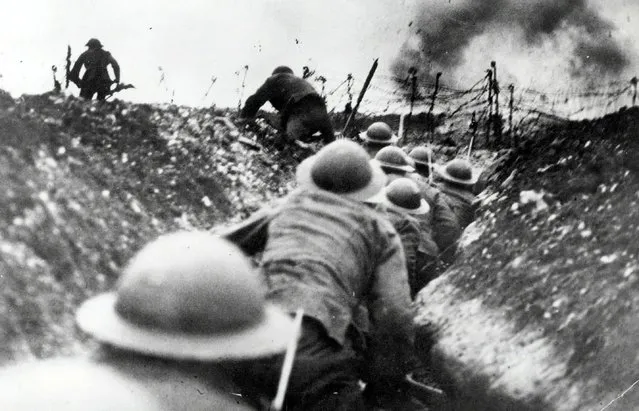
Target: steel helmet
x,y
281,70
379,133
403,195
422,155
344,168
94,43
188,296
458,171
393,158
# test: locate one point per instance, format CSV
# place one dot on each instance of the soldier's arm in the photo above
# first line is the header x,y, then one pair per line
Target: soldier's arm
x,y
409,233
446,229
391,315
74,74
251,234
116,68
257,100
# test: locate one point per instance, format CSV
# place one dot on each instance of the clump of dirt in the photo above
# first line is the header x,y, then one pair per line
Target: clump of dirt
x,y
86,184
559,250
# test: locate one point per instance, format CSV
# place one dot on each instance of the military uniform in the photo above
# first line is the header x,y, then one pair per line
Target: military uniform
x,y
302,110
461,201
445,226
96,76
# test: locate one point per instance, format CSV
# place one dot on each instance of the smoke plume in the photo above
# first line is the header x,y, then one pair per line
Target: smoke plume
x,y
444,32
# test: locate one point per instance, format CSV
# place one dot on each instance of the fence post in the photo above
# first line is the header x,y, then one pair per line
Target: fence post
x,y
511,88
412,72
348,108
67,68
239,102
361,94
489,77
57,87
473,131
431,116
322,80
497,123
412,75
633,81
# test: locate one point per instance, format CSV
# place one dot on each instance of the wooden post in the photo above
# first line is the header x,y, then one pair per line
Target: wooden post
x,y
412,75
413,89
431,117
57,87
208,90
67,69
511,88
400,131
322,80
633,81
473,130
361,95
497,126
239,103
489,76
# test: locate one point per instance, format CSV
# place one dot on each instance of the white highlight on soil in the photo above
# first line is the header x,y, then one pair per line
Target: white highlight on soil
x,y
477,343
621,396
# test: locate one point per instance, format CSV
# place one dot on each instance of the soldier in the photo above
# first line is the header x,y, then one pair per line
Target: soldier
x,y
186,304
395,164
446,230
96,76
402,202
302,109
457,181
377,136
329,254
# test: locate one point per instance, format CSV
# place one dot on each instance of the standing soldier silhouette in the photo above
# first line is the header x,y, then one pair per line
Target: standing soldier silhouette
x,y
96,76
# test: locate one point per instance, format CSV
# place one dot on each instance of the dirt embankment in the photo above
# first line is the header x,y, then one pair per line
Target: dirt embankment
x,y
541,312
85,185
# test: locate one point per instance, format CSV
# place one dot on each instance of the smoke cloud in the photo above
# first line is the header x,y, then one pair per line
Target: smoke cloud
x,y
444,32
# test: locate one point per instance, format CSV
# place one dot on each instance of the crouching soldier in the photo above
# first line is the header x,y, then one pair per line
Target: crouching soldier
x,y
403,204
186,305
328,253
377,136
395,164
302,109
457,181
446,230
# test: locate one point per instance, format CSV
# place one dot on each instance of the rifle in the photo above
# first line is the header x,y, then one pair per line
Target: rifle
x,y
119,87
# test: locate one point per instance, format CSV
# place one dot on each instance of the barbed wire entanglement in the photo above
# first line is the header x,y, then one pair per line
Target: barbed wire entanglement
x,y
490,112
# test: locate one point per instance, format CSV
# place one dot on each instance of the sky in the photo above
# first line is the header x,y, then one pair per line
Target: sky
x,y
171,50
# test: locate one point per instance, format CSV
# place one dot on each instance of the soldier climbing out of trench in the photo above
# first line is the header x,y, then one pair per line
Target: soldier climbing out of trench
x,y
96,77
302,109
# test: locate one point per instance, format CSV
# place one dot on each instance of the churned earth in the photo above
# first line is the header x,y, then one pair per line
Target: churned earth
x,y
85,185
541,310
